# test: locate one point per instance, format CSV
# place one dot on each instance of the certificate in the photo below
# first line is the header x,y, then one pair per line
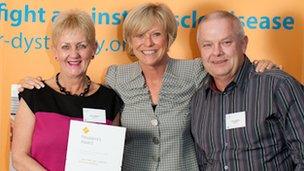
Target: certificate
x,y
94,147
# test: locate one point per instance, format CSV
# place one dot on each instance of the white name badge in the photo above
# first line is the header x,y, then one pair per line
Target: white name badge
x,y
235,120
94,115
94,147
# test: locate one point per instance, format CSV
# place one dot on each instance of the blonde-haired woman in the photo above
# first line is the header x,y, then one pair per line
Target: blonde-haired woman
x,y
156,91
42,121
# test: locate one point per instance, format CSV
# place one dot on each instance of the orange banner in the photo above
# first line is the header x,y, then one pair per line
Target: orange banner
x,y
275,30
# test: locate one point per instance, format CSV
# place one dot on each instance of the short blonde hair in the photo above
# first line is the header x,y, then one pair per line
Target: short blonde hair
x,y
73,20
140,19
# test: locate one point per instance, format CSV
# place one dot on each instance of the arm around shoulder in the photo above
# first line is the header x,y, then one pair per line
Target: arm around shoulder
x,y
111,76
199,72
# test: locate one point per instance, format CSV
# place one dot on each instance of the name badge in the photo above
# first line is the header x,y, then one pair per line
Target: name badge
x,y
94,115
235,120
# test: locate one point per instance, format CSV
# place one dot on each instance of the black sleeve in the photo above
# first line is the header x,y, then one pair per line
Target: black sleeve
x,y
28,96
117,104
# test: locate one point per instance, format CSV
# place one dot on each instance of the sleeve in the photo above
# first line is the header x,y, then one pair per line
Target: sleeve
x,y
290,102
199,72
111,77
117,104
201,159
28,96
200,153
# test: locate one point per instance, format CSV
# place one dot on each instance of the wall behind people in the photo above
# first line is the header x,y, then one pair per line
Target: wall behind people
x,y
275,30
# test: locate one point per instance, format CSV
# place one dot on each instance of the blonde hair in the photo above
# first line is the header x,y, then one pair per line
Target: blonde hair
x,y
73,20
140,19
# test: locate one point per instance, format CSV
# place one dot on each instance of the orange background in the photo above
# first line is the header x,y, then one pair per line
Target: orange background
x,y
282,46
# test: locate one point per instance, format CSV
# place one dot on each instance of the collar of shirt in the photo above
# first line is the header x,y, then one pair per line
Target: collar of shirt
x,y
239,80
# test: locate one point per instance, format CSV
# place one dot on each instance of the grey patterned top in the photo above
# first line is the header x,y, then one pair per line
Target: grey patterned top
x,y
159,140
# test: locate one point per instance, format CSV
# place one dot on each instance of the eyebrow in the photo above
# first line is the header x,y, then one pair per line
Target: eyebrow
x,y
205,40
76,42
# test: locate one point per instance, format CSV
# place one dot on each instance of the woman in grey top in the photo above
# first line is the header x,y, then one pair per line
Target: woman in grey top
x,y
156,91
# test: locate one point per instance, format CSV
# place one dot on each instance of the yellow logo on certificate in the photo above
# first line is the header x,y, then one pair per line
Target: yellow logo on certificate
x,y
85,130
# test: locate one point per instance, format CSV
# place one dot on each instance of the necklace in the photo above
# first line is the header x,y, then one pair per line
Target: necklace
x,y
64,91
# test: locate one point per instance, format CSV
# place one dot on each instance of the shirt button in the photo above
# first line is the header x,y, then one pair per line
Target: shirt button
x,y
154,122
155,140
226,167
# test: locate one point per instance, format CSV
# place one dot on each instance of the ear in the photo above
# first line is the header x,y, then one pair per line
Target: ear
x,y
94,49
245,43
54,52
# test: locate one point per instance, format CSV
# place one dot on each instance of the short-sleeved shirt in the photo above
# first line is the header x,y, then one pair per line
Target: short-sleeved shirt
x,y
53,112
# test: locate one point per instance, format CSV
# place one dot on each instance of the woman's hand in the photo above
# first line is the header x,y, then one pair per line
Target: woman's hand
x,y
262,65
30,83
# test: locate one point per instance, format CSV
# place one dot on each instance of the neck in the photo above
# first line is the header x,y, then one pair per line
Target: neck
x,y
74,85
153,76
155,72
222,83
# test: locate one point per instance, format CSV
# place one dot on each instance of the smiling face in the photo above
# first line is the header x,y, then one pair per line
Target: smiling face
x,y
222,47
150,47
74,53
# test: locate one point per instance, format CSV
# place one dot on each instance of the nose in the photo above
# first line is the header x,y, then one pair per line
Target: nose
x,y
74,53
148,41
217,49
